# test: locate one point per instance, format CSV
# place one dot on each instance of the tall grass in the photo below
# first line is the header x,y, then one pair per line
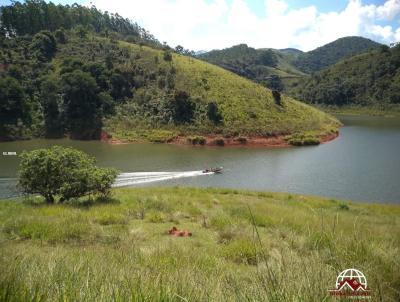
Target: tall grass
x,y
245,247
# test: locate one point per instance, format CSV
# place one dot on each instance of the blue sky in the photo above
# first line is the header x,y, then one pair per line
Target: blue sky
x,y
303,24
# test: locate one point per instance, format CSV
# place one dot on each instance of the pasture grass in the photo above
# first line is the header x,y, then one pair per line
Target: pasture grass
x,y
246,246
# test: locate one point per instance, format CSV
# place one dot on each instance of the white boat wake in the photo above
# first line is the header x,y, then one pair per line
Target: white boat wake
x,y
129,179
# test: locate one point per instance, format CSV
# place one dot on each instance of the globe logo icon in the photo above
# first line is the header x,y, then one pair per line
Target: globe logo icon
x,y
351,274
351,282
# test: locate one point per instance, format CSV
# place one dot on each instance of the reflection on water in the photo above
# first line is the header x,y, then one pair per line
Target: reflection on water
x,y
362,164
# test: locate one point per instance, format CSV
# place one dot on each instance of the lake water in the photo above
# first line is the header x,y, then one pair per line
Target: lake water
x,y
363,164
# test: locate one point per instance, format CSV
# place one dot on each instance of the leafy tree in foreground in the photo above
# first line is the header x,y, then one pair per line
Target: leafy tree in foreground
x,y
63,172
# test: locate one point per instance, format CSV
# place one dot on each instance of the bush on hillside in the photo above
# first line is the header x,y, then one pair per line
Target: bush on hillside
x,y
197,140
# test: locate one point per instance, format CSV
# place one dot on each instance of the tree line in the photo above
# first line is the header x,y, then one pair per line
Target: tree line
x,y
31,16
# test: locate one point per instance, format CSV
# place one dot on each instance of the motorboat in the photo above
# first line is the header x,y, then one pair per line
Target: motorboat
x,y
216,170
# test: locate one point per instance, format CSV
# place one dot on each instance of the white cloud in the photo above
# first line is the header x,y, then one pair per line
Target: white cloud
x,y
389,10
383,31
201,24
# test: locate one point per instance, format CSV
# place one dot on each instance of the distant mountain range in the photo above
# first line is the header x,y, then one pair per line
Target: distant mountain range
x,y
350,70
260,64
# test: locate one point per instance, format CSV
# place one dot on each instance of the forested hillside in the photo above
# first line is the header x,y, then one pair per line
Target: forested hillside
x,y
243,60
83,76
332,53
265,66
371,78
284,68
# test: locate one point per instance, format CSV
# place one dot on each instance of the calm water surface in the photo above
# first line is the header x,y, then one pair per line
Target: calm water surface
x,y
362,164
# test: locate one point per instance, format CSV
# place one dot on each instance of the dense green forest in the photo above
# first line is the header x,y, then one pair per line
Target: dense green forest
x,y
369,79
31,16
73,70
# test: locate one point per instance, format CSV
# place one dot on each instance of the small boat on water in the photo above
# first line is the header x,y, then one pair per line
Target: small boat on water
x,y
217,170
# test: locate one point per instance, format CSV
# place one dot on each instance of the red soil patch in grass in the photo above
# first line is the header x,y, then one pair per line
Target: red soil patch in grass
x,y
179,233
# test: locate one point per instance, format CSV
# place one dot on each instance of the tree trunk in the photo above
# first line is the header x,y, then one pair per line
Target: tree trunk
x,y
49,198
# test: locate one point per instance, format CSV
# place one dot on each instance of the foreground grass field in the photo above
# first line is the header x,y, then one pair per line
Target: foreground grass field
x,y
246,246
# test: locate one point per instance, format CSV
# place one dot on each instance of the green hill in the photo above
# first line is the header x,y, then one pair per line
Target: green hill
x,y
291,51
269,67
333,52
82,80
369,79
282,69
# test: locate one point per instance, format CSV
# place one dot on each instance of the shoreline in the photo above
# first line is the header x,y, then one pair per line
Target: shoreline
x,y
361,111
215,141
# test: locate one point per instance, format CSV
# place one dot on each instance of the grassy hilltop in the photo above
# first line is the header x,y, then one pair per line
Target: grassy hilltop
x,y
246,246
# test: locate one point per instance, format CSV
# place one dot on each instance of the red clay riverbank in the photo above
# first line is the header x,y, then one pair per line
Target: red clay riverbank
x,y
211,140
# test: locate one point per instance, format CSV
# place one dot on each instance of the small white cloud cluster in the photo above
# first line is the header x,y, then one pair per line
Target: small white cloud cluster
x,y
209,24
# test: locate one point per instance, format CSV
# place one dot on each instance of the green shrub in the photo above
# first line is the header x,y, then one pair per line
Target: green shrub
x,y
197,140
344,207
241,139
155,217
160,136
301,139
219,142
